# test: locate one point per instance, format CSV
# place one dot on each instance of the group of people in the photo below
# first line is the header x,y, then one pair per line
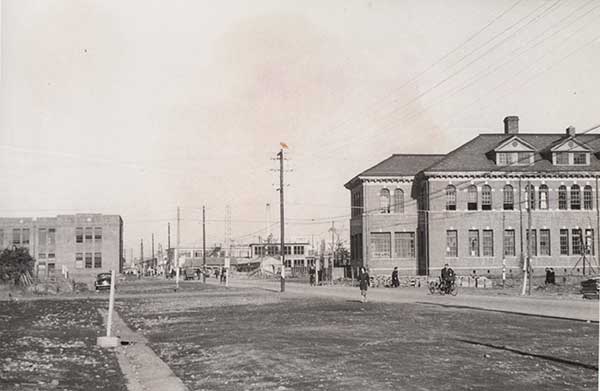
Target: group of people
x,y
447,278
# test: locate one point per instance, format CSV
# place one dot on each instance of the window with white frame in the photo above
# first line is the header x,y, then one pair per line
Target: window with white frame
x,y
450,197
473,242
509,197
543,196
404,244
472,198
488,243
398,201
384,201
486,197
545,242
452,243
381,244
588,198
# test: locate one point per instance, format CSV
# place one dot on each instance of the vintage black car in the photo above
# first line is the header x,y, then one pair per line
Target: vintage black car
x,y
103,281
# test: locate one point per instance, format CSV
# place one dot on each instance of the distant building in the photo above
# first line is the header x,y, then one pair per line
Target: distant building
x,y
82,244
296,254
469,208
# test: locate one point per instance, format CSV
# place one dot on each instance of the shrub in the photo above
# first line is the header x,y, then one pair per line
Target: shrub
x,y
16,266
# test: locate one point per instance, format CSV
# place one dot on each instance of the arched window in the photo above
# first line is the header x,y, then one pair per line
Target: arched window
x,y
384,201
509,197
472,198
399,201
575,197
562,197
543,196
587,198
529,195
486,198
450,197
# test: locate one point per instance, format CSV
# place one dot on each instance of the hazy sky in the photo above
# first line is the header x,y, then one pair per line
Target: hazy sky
x,y
135,107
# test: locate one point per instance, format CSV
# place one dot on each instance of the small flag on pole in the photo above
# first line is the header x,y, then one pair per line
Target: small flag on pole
x,y
283,145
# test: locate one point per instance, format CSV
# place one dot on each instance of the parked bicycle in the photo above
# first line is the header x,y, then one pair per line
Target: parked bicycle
x,y
443,288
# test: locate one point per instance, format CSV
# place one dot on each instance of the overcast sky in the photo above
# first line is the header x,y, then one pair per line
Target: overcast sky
x,y
136,107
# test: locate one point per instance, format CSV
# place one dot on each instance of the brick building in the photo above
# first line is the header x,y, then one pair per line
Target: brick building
x,y
84,244
469,208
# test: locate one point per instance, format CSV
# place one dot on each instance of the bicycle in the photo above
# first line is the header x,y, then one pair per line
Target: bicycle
x,y
443,288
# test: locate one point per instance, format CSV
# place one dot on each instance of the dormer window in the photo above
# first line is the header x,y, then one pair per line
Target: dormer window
x,y
571,152
580,158
514,152
571,158
514,158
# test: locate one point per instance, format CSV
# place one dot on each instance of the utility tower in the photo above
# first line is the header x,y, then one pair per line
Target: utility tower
x,y
227,242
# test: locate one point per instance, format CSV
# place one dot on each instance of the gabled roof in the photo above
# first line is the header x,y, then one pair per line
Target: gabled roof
x,y
474,156
398,165
513,139
572,140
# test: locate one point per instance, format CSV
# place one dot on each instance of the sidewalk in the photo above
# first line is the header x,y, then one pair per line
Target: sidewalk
x,y
576,309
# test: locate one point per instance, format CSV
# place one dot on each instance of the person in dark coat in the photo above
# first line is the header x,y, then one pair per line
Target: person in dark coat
x,y
364,281
395,280
312,273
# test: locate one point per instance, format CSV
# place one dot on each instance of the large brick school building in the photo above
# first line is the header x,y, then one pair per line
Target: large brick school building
x,y
469,208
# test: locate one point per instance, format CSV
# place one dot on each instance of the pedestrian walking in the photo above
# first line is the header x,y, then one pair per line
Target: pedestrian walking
x,y
395,280
364,281
311,274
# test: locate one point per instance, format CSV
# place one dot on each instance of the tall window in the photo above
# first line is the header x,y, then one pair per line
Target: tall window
x,y
97,260
486,198
16,237
589,241
88,260
530,197
452,243
88,234
404,244
42,237
543,196
97,234
509,197
472,198
51,236
79,235
384,201
576,242
509,242
357,204
575,197
564,242
544,242
587,197
450,197
381,244
79,261
399,201
488,243
473,242
562,197
533,242
25,237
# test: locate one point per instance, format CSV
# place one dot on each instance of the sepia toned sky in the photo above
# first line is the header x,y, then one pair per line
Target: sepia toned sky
x,y
137,107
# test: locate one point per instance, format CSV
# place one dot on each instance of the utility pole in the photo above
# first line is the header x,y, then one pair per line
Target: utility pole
x,y
227,243
332,230
204,244
177,250
142,255
528,260
282,216
168,250
153,258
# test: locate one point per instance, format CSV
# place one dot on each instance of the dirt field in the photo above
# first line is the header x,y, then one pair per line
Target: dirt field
x,y
232,339
50,345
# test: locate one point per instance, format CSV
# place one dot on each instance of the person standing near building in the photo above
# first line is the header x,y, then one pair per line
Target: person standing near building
x,y
364,281
395,280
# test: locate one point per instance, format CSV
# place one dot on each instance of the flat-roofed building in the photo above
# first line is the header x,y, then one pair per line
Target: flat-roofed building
x,y
82,244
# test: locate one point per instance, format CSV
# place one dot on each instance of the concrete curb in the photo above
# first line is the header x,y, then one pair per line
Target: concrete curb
x,y
142,368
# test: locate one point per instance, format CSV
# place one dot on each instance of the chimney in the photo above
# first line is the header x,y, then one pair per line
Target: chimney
x,y
511,125
571,131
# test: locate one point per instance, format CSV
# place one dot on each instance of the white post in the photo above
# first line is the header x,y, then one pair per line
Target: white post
x,y
111,303
177,273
